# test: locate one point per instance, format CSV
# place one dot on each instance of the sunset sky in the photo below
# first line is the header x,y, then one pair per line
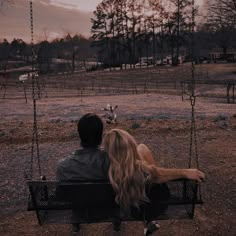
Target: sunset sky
x,y
85,5
52,18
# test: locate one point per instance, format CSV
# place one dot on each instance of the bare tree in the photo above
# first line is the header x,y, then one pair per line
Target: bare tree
x,y
221,12
229,8
178,25
221,18
100,30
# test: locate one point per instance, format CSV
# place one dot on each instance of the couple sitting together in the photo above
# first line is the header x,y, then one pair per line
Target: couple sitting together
x,y
127,165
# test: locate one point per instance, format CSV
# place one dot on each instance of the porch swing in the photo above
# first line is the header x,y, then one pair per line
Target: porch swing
x,y
94,201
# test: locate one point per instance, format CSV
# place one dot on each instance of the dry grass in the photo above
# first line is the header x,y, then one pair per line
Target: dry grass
x,y
163,122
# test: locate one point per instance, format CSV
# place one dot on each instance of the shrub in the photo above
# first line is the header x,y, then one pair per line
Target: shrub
x,y
21,123
55,120
224,124
74,134
164,117
135,126
2,133
220,117
201,117
149,118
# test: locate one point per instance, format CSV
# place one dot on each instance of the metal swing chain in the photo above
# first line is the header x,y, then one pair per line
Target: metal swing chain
x,y
193,133
33,52
35,138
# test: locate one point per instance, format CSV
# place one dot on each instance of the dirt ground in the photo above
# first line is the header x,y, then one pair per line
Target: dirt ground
x,y
160,120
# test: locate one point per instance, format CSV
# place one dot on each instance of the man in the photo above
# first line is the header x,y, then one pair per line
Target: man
x,y
89,162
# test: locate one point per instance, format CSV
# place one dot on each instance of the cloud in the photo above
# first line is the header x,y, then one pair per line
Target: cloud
x,y
49,21
83,5
64,4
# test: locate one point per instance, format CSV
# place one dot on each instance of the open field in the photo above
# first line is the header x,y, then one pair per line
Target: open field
x,y
212,82
150,108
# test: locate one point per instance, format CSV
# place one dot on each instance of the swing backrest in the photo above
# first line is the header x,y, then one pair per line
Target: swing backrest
x,y
87,202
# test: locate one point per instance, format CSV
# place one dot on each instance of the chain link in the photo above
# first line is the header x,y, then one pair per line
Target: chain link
x,y
193,135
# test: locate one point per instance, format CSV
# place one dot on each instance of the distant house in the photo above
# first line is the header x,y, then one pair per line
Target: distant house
x,y
167,60
146,60
217,54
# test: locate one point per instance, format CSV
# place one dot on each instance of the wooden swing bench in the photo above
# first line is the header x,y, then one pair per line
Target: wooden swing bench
x,y
94,202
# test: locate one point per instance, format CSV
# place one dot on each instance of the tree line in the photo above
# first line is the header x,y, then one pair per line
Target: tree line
x,y
130,29
123,31
70,48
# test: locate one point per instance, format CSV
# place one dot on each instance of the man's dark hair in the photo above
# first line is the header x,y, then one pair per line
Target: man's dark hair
x,y
90,129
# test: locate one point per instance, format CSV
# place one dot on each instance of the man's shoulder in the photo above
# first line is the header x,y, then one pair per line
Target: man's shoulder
x,y
65,161
81,155
84,164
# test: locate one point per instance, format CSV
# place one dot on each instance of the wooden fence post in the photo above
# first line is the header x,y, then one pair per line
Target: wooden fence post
x,y
227,92
233,91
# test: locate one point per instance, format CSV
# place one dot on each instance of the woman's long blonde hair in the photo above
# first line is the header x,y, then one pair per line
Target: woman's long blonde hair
x,y
125,173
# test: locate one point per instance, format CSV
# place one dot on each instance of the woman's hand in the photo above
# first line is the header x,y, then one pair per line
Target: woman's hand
x,y
195,174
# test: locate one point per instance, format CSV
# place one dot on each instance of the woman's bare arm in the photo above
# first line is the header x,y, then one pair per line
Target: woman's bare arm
x,y
162,175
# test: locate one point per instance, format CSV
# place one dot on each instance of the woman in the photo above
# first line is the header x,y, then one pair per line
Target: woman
x,y
132,165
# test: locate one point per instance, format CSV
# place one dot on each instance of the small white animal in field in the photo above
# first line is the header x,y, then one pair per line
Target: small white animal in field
x,y
110,114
